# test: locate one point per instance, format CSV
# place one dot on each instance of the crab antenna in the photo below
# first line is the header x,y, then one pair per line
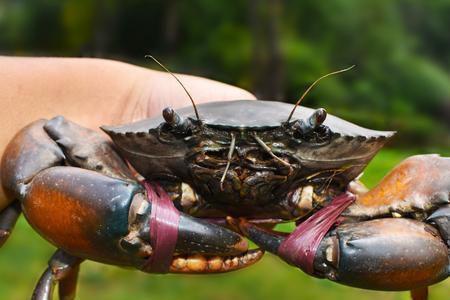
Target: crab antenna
x,y
270,152
312,85
179,81
229,157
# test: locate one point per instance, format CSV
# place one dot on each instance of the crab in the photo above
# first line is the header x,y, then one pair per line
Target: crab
x,y
182,193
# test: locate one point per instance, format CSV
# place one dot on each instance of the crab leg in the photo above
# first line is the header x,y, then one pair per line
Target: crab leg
x,y
68,284
63,269
30,152
419,293
8,218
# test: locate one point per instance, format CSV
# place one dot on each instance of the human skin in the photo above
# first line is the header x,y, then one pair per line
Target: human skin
x,y
93,92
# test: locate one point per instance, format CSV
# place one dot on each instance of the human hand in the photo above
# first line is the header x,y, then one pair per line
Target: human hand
x,y
93,92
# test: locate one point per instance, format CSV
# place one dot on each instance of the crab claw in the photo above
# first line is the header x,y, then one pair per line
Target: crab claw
x,y
384,254
201,247
381,253
419,184
97,217
267,239
92,211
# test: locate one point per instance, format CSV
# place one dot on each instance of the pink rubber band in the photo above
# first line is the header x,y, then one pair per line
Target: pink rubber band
x,y
300,247
164,219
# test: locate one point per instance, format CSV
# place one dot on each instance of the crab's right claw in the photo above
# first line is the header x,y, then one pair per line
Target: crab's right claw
x,y
94,209
200,246
218,249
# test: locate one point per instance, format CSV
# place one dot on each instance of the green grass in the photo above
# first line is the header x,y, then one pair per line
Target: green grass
x,y
24,257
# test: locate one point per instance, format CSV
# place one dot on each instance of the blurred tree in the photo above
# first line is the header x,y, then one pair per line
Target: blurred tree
x,y
275,48
267,63
171,26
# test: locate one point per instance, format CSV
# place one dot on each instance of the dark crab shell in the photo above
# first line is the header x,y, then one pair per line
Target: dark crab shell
x,y
349,141
143,144
251,115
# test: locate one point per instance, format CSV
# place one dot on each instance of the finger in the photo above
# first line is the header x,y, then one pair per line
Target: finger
x,y
161,90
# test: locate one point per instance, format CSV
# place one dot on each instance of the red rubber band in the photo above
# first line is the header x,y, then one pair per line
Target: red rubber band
x,y
164,219
300,247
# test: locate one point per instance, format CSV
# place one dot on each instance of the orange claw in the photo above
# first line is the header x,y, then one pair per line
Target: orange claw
x,y
419,183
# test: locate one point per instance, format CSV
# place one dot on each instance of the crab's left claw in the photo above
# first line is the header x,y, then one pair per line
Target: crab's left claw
x,y
416,186
382,254
371,250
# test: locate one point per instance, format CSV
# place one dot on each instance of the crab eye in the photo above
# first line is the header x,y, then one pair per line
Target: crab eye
x,y
312,130
312,123
320,115
176,123
171,117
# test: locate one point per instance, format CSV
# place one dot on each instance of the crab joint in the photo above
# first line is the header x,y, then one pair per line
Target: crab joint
x,y
303,200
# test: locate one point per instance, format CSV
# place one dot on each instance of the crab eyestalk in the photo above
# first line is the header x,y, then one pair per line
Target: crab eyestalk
x,y
177,123
310,124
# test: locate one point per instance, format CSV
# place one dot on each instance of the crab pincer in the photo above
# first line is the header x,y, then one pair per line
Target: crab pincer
x,y
99,211
364,244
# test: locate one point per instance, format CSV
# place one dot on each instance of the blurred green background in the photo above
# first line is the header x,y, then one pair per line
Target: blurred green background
x,y
275,49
